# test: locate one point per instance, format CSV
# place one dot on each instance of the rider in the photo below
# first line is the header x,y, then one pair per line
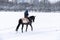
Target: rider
x,y
26,14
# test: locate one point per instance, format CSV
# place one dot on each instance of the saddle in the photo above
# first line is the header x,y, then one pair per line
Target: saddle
x,y
25,20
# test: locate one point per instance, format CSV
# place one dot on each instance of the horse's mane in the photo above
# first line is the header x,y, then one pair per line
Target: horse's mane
x,y
32,17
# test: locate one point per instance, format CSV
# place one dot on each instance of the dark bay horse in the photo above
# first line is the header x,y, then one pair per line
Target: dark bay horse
x,y
28,21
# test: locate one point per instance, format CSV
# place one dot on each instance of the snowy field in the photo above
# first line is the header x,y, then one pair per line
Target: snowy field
x,y
45,27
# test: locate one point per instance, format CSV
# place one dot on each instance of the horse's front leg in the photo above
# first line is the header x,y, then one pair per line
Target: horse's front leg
x,y
22,27
31,27
26,27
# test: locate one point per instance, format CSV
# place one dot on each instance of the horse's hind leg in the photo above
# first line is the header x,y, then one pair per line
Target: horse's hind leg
x,y
22,27
17,27
26,27
31,27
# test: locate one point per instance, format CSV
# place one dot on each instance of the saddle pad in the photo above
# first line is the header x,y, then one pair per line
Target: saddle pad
x,y
25,20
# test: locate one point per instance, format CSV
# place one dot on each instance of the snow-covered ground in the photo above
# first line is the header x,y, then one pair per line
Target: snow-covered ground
x,y
45,27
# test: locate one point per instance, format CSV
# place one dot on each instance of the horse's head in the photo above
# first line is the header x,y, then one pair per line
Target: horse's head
x,y
32,18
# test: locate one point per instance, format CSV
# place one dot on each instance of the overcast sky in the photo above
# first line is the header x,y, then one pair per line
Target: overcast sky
x,y
53,1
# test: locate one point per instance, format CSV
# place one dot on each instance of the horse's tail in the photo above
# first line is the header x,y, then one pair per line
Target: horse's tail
x,y
20,21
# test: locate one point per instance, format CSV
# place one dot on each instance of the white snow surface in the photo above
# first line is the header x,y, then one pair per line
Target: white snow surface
x,y
45,27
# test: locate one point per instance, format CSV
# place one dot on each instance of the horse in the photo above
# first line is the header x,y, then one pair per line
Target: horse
x,y
28,21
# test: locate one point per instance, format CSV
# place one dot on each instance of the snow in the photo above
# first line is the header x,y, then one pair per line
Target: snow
x,y
45,27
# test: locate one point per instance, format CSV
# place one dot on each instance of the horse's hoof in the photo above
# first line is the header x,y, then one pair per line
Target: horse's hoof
x,y
22,31
16,30
31,30
26,30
